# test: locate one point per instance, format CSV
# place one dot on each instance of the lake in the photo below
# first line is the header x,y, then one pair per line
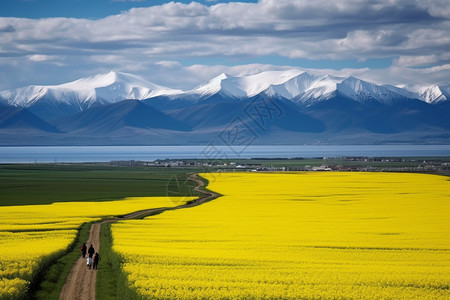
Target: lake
x,y
149,153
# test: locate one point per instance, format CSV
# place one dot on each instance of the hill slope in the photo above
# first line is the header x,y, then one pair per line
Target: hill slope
x,y
127,113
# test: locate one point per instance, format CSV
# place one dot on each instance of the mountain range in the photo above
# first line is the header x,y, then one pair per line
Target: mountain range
x,y
275,107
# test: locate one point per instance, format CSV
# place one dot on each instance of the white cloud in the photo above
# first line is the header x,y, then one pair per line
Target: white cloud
x,y
415,32
168,64
437,8
40,57
424,60
445,67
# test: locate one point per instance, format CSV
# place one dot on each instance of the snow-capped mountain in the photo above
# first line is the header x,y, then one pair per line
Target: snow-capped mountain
x,y
307,89
313,89
56,101
242,87
294,85
307,108
430,94
363,91
102,88
224,84
302,88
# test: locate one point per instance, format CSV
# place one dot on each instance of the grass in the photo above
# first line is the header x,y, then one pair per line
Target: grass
x,y
296,162
51,280
107,279
44,184
111,280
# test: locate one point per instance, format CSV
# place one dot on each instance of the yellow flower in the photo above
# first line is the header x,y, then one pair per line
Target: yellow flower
x,y
297,236
34,234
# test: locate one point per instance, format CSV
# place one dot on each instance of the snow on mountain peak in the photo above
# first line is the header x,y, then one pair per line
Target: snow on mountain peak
x,y
245,86
222,83
295,85
255,84
120,83
434,94
98,80
363,91
106,87
428,93
316,88
24,96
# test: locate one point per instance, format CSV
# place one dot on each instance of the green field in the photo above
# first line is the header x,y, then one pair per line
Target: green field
x,y
25,184
43,184
389,162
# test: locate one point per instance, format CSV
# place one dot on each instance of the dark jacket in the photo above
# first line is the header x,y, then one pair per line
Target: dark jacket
x,y
91,251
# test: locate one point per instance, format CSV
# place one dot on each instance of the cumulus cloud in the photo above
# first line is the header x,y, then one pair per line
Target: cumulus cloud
x,y
411,32
42,57
188,77
169,64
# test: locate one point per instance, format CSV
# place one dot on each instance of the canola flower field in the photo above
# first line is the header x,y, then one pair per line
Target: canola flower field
x,y
33,235
297,236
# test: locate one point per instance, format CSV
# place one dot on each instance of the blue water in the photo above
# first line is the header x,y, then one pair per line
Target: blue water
x,y
149,153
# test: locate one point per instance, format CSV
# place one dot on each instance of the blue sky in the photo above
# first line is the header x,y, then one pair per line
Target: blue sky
x,y
184,43
90,9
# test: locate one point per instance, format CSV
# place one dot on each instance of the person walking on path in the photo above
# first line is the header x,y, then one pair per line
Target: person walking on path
x,y
89,262
96,259
83,249
91,251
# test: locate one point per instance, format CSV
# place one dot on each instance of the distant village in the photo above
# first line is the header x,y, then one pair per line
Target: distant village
x,y
349,164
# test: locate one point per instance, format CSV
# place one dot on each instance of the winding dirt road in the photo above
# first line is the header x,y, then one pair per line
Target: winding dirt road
x,y
80,283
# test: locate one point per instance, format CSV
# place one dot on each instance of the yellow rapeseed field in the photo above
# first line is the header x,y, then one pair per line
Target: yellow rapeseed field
x,y
297,236
31,235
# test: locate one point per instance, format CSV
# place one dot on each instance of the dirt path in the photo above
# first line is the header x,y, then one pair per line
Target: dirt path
x,y
80,283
